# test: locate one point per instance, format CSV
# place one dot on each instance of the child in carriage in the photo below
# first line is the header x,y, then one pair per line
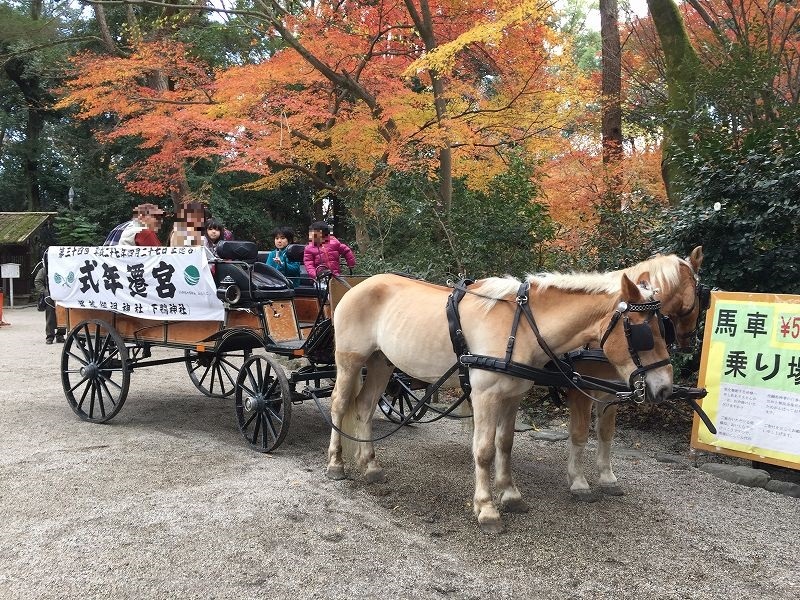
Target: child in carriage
x,y
324,251
278,259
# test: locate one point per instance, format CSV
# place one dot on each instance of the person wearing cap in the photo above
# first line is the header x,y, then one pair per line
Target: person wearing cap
x,y
141,230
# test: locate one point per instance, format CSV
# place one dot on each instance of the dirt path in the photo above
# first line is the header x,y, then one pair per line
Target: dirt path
x,y
167,501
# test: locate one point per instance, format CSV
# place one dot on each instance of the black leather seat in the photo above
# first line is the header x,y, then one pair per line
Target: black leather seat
x,y
236,265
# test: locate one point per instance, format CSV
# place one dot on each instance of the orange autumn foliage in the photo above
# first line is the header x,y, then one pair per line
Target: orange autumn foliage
x,y
336,104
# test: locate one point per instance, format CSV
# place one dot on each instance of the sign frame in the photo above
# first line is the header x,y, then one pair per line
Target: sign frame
x,y
697,424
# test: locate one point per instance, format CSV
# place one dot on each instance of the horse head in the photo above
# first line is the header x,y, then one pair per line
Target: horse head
x,y
685,307
634,343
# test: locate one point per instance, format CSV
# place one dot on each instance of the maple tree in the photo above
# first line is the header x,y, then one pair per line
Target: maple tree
x,y
359,90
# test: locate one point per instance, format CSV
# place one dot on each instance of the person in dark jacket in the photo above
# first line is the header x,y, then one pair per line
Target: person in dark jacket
x,y
41,285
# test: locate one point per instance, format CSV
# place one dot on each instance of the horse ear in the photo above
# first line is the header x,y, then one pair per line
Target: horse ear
x,y
630,291
696,259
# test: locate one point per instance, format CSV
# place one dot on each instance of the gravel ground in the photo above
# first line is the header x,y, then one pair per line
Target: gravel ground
x,y
167,501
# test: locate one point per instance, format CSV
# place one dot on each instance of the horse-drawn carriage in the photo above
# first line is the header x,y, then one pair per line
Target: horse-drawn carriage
x,y
231,318
234,316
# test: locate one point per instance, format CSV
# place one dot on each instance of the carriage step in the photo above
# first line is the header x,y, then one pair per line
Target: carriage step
x,y
288,345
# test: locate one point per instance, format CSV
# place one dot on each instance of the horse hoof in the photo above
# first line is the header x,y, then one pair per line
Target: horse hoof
x,y
584,496
375,476
335,472
515,505
612,490
491,526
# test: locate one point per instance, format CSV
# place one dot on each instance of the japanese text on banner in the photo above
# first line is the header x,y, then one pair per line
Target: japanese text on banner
x,y
161,283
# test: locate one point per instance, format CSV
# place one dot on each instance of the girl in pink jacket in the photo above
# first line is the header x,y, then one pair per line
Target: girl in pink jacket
x,y
324,251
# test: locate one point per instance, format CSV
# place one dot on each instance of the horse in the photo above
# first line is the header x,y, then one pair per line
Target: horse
x,y
677,287
390,321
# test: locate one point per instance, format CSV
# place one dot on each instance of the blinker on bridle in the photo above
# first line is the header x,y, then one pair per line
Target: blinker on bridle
x,y
640,339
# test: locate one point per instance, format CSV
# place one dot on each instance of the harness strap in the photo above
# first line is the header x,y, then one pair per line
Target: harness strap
x,y
457,333
542,377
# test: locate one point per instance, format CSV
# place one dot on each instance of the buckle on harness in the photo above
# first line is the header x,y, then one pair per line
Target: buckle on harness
x,y
522,300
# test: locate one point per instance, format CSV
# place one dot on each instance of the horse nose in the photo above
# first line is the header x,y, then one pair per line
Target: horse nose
x,y
661,393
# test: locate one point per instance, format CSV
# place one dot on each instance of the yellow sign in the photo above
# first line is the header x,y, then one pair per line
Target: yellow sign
x,y
751,368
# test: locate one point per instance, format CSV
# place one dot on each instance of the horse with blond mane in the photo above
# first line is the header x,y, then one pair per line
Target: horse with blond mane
x,y
390,321
676,283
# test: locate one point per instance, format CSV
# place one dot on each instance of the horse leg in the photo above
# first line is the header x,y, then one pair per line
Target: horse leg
x,y
348,376
379,371
483,451
606,425
508,493
580,414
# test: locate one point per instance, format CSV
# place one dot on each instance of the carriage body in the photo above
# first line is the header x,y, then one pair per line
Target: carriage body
x,y
253,319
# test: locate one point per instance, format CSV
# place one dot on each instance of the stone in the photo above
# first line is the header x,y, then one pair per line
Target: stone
x,y
549,435
787,488
674,459
737,474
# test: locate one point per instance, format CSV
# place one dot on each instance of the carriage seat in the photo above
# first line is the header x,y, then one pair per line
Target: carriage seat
x,y
237,264
304,286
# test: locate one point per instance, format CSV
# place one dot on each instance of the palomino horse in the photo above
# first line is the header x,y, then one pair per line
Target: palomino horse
x,y
391,321
677,286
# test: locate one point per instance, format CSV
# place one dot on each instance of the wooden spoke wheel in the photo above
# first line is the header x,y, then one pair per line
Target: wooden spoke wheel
x,y
397,402
263,403
214,373
94,371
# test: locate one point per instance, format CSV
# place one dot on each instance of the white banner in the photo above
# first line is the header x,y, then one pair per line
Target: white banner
x,y
163,283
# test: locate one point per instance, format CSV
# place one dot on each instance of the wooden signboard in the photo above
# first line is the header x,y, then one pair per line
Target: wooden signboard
x,y
751,368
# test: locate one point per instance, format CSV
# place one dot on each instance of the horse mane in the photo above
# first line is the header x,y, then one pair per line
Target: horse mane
x,y
664,273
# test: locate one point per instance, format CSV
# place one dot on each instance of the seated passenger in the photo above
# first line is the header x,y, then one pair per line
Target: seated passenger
x,y
141,230
215,231
278,258
187,229
324,251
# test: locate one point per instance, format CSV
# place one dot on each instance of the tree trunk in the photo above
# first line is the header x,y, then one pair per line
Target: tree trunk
x,y
612,111
424,23
682,69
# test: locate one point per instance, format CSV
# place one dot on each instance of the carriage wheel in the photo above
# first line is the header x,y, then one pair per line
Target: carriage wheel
x,y
214,373
94,371
396,403
263,403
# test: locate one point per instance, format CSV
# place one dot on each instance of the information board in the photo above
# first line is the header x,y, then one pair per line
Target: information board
x,y
9,271
750,367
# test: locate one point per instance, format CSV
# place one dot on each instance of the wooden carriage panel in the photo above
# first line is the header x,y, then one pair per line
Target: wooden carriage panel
x,y
244,319
281,321
191,332
307,309
62,319
73,316
135,328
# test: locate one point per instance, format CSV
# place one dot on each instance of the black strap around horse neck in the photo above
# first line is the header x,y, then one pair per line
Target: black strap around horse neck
x,y
461,348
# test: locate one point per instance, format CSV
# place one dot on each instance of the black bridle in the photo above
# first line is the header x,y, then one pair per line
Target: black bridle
x,y
702,297
640,339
